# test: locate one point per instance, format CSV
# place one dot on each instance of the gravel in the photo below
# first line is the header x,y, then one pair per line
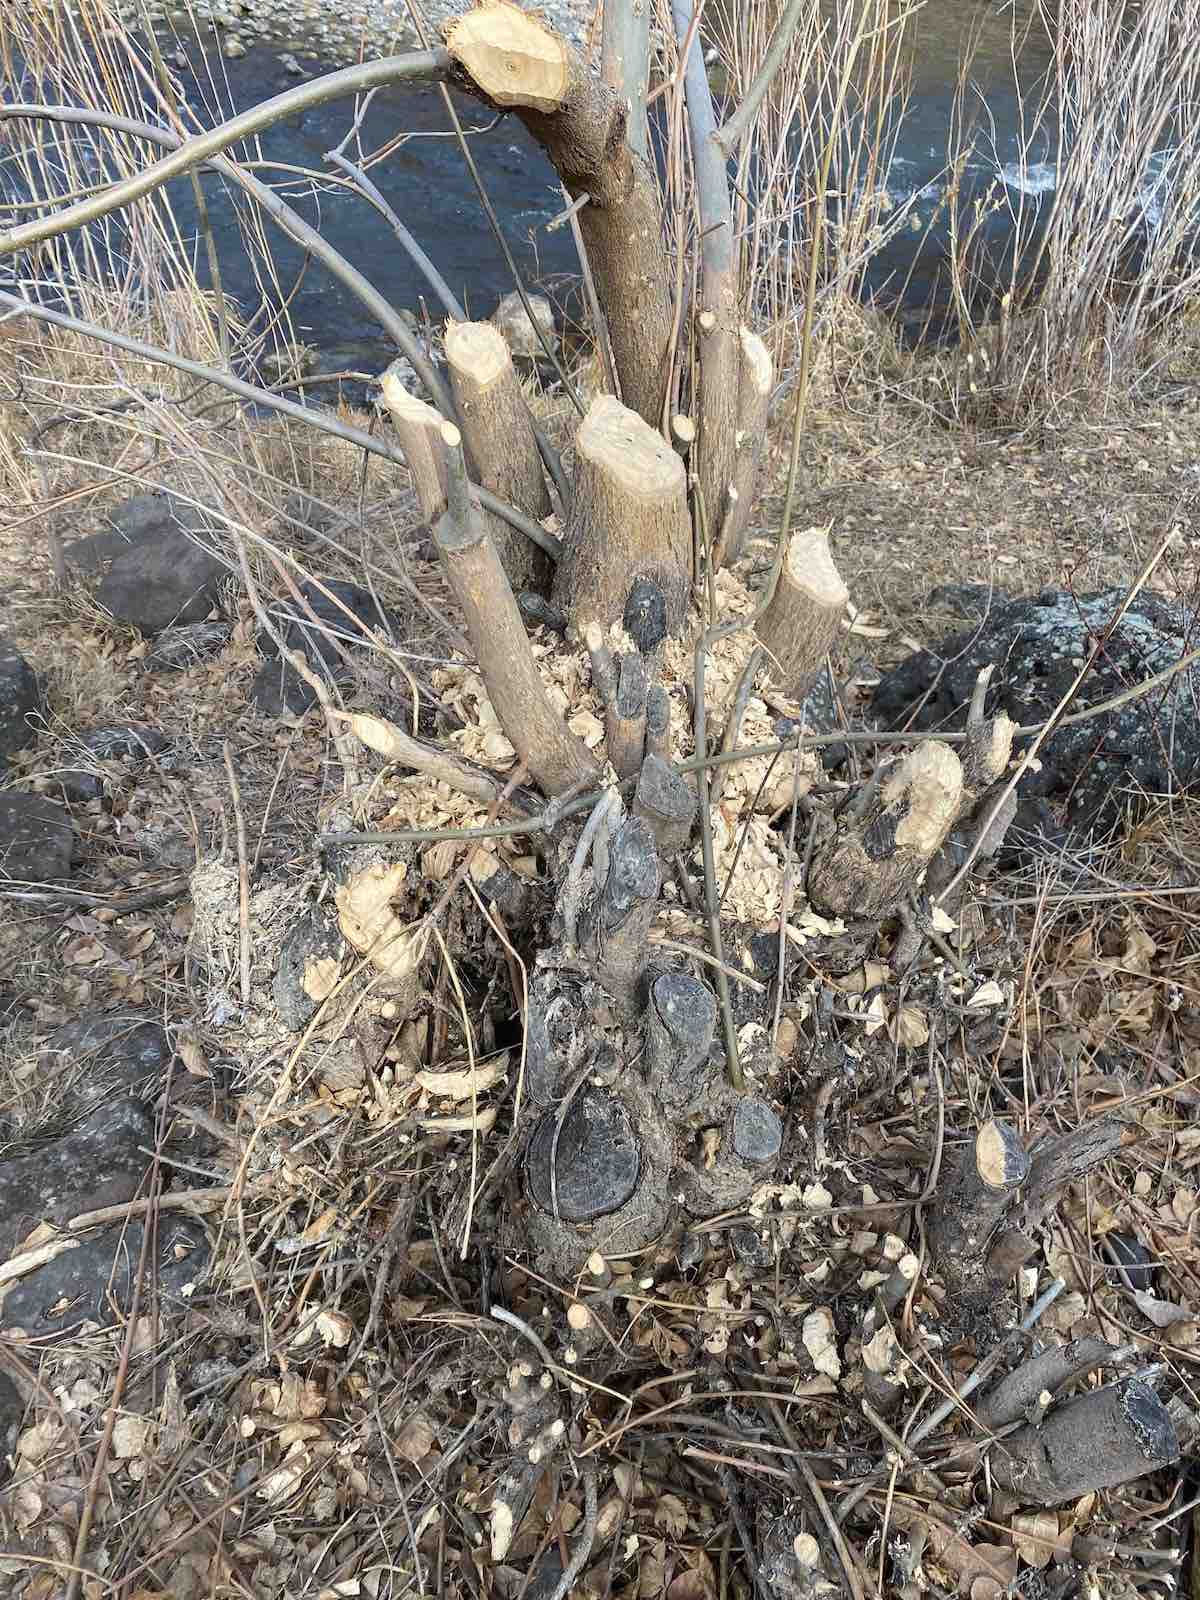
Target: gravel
x,y
326,29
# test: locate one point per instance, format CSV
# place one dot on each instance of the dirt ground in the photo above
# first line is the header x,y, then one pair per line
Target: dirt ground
x,y
330,1412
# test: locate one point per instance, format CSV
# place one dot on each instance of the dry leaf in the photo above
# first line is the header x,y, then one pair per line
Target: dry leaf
x,y
987,994
910,1029
820,1340
129,1436
1162,1313
670,1516
1034,1537
416,1438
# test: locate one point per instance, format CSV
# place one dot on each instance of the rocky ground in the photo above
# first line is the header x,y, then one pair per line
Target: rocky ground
x,y
324,29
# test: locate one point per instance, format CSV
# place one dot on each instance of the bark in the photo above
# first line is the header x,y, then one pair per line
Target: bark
x,y
625,724
545,745
1014,1395
1096,1441
665,803
1067,1159
535,1431
418,427
628,521
617,921
500,441
801,623
972,1204
875,851
658,722
756,381
716,406
511,59
625,63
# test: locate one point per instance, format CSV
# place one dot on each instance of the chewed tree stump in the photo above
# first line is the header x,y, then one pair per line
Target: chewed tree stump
x,y
632,1125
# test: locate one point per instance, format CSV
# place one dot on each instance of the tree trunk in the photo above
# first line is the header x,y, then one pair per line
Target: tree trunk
x,y
500,441
972,1204
629,520
512,59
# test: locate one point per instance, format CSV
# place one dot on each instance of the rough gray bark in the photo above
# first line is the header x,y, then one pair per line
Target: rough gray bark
x,y
1014,1395
971,1205
665,803
801,623
1096,1441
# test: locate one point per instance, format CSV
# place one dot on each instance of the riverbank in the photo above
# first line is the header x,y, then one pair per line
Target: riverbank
x,y
321,29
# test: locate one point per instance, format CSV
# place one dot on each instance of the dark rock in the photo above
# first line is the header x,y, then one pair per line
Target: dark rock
x,y
20,700
315,938
162,569
179,648
691,1251
154,588
1034,831
37,838
757,1131
124,739
123,1051
645,619
73,786
1135,1262
83,1284
749,1249
97,1164
277,689
12,1414
1037,647
598,1158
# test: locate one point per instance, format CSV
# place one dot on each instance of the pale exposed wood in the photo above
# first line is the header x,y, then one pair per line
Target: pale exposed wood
x,y
879,846
418,427
629,520
542,740
980,1187
581,124
500,441
604,668
511,56
801,622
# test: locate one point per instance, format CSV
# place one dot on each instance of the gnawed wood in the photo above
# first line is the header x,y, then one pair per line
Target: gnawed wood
x,y
801,623
418,427
629,520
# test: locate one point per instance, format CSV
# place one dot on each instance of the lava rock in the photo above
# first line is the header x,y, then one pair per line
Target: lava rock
x,y
179,648
311,944
537,612
126,1051
757,1131
967,599
20,700
97,1164
124,739
279,691
1037,646
84,1283
645,618
598,1161
162,569
1135,1262
37,838
1034,832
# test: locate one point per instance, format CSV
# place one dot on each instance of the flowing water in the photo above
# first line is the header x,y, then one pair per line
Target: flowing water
x,y
428,185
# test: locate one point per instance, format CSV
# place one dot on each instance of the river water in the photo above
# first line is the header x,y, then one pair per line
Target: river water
x,y
427,183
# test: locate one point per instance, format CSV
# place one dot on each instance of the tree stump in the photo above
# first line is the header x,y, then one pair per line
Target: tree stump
x,y
629,520
801,622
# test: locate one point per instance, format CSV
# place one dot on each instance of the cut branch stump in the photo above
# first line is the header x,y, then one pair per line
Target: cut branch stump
x,y
801,622
1095,1441
972,1204
629,520
512,59
500,441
